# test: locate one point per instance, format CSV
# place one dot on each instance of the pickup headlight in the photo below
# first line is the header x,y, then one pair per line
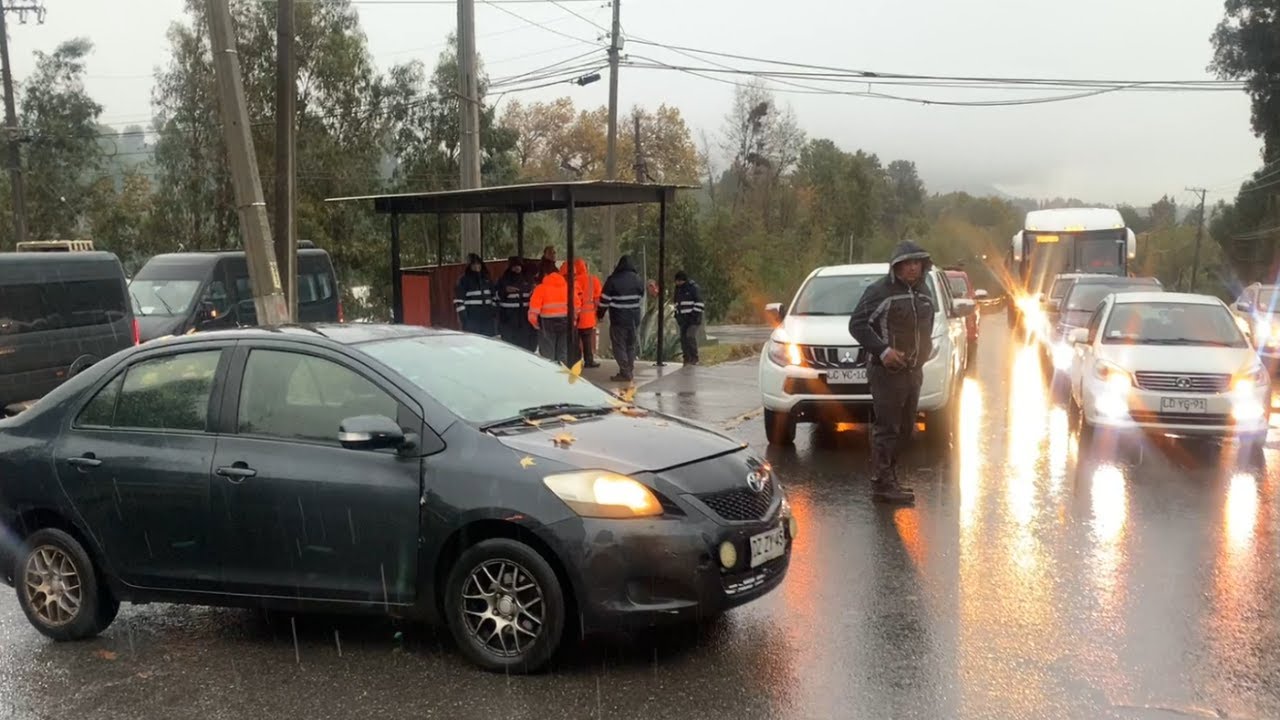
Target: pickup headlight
x,y
783,354
604,494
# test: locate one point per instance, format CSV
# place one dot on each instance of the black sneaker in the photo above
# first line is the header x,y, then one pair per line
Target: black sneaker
x,y
891,495
619,378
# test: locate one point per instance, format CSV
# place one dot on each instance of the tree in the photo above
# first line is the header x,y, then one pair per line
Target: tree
x,y
904,209
1164,213
63,156
1244,48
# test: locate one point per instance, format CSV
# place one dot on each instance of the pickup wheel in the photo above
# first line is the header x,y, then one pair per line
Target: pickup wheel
x,y
779,428
58,587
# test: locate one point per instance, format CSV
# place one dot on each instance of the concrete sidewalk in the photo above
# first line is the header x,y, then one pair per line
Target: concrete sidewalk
x,y
718,395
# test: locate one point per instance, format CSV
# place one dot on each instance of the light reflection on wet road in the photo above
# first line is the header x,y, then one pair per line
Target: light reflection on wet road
x,y
1031,580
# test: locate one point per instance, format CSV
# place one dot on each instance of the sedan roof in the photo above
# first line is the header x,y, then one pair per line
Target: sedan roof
x,y
340,333
1167,298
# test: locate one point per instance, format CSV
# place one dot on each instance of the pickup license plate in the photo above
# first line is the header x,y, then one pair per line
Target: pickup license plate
x,y
768,546
1190,406
855,376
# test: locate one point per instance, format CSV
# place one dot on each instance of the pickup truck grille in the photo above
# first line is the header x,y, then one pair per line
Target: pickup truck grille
x,y
1183,382
833,357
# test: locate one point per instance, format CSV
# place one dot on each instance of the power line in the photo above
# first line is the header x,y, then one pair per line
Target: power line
x,y
560,4
539,25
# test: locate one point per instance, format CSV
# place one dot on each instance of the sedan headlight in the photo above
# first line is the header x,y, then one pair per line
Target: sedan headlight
x,y
1250,380
604,494
1115,377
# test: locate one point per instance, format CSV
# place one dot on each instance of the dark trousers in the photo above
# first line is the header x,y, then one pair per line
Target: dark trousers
x,y
553,343
586,339
625,339
689,342
520,333
895,397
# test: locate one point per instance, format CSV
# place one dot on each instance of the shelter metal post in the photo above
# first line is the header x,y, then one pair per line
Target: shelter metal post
x,y
662,274
397,292
439,239
520,235
573,314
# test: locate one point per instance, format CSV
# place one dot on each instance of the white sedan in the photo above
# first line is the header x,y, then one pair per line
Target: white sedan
x,y
1171,364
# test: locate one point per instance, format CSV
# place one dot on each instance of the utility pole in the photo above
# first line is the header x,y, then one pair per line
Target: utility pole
x,y
264,274
611,154
469,107
11,116
1195,263
640,168
286,168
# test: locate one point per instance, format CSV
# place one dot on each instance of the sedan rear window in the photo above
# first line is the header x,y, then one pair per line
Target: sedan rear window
x,y
1173,324
483,380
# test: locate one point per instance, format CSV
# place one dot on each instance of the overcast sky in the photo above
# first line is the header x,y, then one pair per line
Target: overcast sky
x,y
1114,148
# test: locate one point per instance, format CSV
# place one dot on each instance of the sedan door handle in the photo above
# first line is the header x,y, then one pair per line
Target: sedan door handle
x,y
84,462
237,472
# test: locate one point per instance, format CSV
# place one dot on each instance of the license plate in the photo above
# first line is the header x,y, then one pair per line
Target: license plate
x,y
1184,405
856,376
768,546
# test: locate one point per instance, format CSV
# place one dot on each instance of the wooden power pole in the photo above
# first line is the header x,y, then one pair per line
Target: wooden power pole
x,y
11,115
1195,262
264,275
469,108
611,152
286,168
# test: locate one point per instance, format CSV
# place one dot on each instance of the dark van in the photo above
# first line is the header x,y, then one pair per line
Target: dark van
x,y
179,292
59,314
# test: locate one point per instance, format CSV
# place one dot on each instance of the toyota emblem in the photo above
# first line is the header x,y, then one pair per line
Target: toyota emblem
x,y
757,479
1184,383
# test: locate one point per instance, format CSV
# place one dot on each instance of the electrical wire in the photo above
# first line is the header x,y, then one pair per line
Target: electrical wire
x,y
560,4
539,25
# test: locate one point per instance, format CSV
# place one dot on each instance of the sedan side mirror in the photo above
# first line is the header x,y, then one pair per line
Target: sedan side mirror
x,y
981,294
773,311
1078,336
963,307
373,432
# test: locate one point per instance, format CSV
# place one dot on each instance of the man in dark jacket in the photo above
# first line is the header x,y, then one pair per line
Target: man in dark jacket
x,y
473,299
894,324
689,309
623,298
512,296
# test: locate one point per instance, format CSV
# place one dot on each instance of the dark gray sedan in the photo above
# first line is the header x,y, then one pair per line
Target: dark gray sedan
x,y
381,469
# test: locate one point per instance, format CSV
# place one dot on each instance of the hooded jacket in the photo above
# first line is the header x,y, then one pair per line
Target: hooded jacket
x,y
623,294
550,300
589,291
893,314
512,295
689,305
473,299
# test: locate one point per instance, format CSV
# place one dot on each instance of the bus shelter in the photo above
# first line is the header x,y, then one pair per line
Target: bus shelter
x,y
520,200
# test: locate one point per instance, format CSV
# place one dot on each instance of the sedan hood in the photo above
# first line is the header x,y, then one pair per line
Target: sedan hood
x,y
151,327
623,444
1179,359
832,330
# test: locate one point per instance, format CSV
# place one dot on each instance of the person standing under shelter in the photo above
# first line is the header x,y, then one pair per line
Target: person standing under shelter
x,y
689,309
893,322
547,265
589,291
512,293
473,299
549,314
623,297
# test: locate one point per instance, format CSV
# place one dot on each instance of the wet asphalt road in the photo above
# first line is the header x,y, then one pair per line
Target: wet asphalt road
x,y
1029,582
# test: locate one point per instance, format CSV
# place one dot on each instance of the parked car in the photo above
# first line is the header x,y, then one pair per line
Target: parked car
x,y
1168,363
962,288
1258,310
1075,310
178,292
59,314
382,469
813,371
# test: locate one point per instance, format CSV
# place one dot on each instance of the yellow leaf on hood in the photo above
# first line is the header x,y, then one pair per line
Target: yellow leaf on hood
x,y
628,394
527,462
574,373
564,439
567,418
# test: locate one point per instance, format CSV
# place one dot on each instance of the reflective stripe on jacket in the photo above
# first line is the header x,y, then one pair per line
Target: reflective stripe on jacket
x,y
689,306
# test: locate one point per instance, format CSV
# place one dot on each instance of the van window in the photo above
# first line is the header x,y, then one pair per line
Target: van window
x,y
162,297
314,287
59,305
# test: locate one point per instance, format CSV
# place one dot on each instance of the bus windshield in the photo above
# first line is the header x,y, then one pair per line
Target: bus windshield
x,y
1048,253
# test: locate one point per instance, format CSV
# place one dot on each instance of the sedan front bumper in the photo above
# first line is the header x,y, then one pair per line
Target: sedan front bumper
x,y
1225,414
630,574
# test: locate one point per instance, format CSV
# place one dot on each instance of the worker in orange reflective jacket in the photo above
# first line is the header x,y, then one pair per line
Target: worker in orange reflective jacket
x,y
549,312
589,289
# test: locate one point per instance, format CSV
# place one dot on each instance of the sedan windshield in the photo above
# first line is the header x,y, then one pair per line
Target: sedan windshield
x,y
1173,324
484,381
162,297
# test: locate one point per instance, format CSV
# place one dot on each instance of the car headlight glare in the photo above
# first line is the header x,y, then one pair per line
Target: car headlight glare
x,y
604,494
784,354
1115,377
1250,380
1062,355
